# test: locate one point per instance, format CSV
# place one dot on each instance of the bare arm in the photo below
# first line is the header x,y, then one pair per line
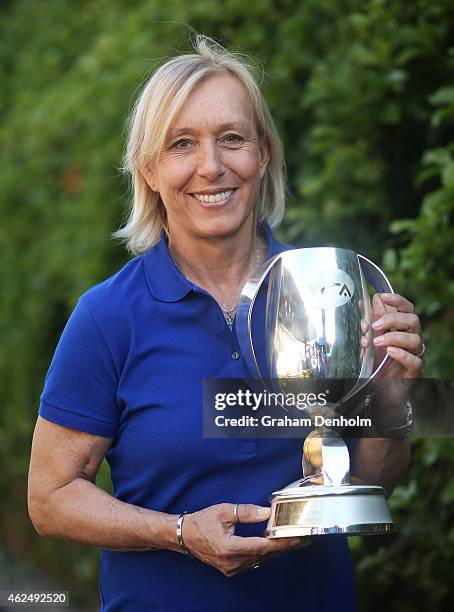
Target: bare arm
x,y
380,461
64,501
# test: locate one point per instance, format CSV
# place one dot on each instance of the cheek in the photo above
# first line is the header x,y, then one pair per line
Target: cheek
x,y
175,175
245,164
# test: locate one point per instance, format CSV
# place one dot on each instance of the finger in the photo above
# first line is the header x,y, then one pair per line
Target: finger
x,y
398,301
402,321
277,545
404,340
378,307
256,546
250,513
251,563
257,561
364,342
243,513
411,363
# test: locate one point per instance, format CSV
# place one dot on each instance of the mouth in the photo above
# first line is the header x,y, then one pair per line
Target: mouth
x,y
219,197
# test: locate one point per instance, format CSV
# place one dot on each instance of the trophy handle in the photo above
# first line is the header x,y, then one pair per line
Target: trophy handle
x,y
375,275
244,313
379,281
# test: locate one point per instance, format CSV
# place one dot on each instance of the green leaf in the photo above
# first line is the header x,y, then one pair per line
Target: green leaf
x,y
444,95
447,174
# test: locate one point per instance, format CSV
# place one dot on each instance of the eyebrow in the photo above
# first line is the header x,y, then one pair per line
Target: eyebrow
x,y
223,126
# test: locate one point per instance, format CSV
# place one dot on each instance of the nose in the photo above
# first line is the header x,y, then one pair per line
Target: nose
x,y
210,164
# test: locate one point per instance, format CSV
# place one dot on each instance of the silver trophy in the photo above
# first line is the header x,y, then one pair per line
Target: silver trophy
x,y
317,311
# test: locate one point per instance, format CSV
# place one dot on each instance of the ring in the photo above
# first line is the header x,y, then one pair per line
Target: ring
x,y
256,565
423,350
235,514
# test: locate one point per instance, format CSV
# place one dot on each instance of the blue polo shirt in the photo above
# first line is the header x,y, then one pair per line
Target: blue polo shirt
x,y
130,365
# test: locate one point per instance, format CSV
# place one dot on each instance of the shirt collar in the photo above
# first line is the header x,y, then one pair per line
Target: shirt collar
x,y
167,283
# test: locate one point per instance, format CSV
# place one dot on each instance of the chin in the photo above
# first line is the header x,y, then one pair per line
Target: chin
x,y
222,228
226,231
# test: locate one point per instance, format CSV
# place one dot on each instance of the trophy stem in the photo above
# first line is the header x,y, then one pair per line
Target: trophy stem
x,y
326,454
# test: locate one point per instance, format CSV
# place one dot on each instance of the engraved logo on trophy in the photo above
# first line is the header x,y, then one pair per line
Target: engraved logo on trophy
x,y
332,288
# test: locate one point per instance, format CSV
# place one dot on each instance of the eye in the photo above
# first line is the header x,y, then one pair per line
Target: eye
x,y
232,139
182,144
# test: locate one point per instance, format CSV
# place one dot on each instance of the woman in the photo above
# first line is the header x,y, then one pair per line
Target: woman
x,y
126,378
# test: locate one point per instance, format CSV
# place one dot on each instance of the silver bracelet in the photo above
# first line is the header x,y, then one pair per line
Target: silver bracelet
x,y
180,540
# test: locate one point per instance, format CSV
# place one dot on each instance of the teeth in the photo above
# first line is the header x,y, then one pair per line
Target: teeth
x,y
218,197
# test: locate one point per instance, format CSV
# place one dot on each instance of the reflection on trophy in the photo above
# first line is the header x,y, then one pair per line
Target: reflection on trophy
x,y
317,310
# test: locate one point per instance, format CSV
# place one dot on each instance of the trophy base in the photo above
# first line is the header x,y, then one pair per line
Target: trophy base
x,y
325,510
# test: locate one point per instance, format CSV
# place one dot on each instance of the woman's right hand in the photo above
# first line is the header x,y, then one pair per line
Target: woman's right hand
x,y
209,535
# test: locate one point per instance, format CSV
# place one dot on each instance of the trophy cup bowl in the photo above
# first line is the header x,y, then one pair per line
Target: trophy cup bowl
x,y
317,311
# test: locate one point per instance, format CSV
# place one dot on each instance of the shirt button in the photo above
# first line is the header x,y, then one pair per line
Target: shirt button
x,y
235,355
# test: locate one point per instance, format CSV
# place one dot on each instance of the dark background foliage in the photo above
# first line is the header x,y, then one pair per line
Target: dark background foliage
x,y
363,96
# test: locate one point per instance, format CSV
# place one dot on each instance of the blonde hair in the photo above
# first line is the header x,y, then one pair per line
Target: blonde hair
x,y
162,97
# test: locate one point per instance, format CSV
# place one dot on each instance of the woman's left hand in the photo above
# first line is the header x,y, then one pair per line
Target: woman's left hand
x,y
397,331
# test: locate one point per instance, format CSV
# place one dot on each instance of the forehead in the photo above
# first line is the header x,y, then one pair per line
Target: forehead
x,y
219,100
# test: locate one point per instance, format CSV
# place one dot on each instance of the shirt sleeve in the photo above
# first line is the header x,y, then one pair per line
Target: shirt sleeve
x,y
80,389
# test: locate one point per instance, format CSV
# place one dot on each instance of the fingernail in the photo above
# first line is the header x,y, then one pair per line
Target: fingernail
x,y
379,340
392,350
378,324
263,511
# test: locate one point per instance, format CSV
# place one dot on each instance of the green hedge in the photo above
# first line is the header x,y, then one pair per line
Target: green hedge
x,y
362,96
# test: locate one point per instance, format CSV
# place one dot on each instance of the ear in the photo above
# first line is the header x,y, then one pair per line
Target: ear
x,y
150,177
265,155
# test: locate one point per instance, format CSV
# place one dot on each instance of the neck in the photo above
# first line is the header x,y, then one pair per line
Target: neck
x,y
221,266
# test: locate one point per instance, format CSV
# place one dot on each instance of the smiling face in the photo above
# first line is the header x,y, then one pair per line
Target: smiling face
x,y
209,170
